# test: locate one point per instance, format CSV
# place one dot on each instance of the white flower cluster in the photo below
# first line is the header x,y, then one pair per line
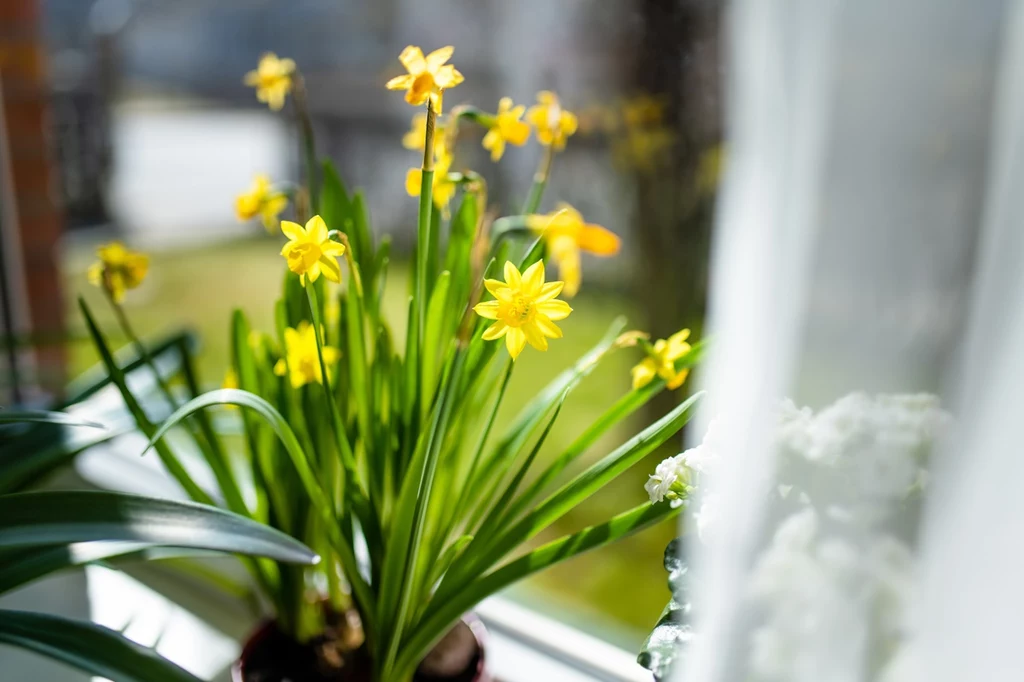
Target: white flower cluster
x,y
675,475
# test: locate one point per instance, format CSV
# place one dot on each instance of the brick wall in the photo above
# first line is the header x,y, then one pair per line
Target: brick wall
x,y
36,216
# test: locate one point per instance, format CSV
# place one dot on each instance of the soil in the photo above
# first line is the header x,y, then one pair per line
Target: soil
x,y
272,656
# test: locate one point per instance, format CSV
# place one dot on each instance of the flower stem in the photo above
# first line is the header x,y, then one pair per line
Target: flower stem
x,y
540,181
308,143
423,237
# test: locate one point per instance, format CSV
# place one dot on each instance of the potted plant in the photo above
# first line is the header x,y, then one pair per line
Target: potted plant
x,y
378,447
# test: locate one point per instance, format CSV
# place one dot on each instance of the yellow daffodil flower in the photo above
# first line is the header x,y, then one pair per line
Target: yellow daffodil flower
x,y
507,128
230,378
261,200
272,80
310,250
303,363
566,235
554,124
442,189
524,310
428,76
417,135
661,361
118,270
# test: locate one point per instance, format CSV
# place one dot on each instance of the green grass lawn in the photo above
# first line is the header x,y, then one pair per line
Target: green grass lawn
x,y
617,592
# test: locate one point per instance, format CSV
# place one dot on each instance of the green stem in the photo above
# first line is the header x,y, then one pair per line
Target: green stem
x,y
308,142
354,489
436,438
540,181
423,237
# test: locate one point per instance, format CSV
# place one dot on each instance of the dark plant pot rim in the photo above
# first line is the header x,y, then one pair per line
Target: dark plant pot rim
x,y
267,628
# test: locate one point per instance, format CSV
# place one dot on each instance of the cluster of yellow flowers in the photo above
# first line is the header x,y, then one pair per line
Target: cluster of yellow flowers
x,y
525,306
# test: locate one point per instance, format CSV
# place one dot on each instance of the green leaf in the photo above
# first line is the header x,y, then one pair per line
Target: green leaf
x,y
50,518
574,492
303,465
165,353
444,612
21,566
44,417
167,457
95,649
496,463
625,406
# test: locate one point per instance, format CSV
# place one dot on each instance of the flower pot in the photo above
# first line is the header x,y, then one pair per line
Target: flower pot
x,y
271,656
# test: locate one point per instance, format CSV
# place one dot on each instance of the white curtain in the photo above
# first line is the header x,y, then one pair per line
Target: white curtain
x,y
869,268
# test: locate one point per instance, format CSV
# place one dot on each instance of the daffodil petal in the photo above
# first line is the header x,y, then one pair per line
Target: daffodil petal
x,y
534,336
448,76
643,373
494,285
487,310
316,229
292,230
677,343
677,380
555,310
515,341
331,248
412,59
435,59
413,180
549,291
495,331
533,279
599,241
513,278
400,82
330,268
547,327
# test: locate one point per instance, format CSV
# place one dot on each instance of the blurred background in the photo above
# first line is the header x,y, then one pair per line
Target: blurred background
x,y
128,119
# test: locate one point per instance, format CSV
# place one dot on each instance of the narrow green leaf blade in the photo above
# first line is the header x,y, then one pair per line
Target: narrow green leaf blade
x,y
58,517
44,417
89,647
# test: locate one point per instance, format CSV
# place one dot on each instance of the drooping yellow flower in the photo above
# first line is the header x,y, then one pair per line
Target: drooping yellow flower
x,y
661,361
566,235
417,134
118,270
525,309
310,250
428,76
261,200
230,378
442,189
507,128
272,80
303,364
554,124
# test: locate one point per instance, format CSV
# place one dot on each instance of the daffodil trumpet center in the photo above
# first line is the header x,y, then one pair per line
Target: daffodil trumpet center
x,y
518,312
